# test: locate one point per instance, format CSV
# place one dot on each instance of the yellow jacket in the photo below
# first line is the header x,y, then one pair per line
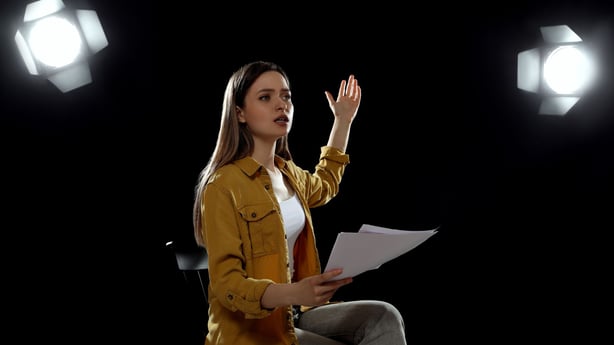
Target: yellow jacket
x,y
244,236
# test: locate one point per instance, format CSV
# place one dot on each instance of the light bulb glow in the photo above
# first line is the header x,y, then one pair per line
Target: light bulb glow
x,y
55,42
567,70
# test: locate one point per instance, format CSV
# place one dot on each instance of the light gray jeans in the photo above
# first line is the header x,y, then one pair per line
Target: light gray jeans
x,y
363,322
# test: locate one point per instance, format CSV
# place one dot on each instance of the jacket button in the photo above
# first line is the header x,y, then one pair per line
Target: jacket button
x,y
230,297
266,186
253,214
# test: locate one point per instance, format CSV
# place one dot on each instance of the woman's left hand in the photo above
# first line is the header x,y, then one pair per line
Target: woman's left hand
x,y
345,107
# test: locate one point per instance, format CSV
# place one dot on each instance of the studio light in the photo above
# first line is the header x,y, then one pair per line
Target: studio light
x,y
56,42
561,70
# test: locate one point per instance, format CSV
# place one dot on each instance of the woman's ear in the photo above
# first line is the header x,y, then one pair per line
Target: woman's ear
x,y
240,115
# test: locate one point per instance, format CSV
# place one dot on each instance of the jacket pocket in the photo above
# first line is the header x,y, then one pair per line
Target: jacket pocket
x,y
263,222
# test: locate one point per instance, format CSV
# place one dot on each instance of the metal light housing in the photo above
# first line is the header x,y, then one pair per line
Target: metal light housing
x,y
56,42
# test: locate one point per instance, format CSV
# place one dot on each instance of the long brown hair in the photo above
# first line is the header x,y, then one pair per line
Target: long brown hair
x,y
234,141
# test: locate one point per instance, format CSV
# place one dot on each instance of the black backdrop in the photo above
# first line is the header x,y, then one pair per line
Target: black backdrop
x,y
97,180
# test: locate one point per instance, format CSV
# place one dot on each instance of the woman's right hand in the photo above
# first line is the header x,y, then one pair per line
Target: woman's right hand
x,y
319,289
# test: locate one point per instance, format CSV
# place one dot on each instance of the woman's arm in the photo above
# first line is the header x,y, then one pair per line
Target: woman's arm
x,y
345,108
311,291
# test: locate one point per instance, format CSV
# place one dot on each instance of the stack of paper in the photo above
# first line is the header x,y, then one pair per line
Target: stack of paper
x,y
370,247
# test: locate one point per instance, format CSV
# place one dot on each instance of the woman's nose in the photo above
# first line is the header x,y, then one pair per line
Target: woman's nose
x,y
282,104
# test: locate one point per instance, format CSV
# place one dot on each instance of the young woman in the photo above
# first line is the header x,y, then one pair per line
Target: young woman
x,y
252,214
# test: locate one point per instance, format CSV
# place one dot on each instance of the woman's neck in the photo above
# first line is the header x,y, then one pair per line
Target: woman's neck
x,y
265,155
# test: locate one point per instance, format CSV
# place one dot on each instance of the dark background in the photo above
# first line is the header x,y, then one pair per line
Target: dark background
x,y
97,180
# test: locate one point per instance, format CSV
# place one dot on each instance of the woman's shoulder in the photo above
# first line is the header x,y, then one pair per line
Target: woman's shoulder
x,y
291,167
226,171
241,167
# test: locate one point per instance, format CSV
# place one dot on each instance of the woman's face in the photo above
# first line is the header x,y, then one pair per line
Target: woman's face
x,y
268,108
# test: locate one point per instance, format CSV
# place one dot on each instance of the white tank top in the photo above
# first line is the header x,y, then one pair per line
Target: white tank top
x,y
294,222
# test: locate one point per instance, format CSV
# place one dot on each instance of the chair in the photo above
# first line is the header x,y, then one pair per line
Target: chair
x,y
193,263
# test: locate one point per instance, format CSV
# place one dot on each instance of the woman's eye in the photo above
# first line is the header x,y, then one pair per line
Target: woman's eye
x,y
265,98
